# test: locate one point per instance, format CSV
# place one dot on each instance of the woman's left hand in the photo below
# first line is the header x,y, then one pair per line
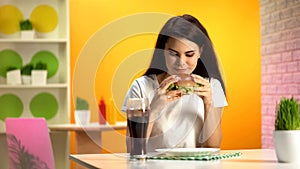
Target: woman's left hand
x,y
205,91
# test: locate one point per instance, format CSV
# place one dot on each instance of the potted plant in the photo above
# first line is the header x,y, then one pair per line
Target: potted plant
x,y
26,29
39,74
82,112
26,73
13,75
287,131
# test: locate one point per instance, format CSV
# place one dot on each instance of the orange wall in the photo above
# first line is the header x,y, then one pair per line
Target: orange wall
x,y
234,29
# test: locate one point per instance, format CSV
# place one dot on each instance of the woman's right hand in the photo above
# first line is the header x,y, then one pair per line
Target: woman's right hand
x,y
171,95
163,95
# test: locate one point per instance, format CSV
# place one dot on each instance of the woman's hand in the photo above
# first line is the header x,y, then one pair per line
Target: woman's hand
x,y
162,95
170,95
205,91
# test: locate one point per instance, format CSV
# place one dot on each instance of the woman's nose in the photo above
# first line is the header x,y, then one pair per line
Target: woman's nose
x,y
181,60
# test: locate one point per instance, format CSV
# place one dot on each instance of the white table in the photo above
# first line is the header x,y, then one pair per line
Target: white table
x,y
250,159
88,137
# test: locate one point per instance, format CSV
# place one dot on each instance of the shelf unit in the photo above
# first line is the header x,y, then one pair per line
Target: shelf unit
x,y
58,85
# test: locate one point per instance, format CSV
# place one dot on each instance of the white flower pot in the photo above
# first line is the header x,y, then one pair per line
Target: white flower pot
x,y
26,79
82,117
13,77
28,34
39,77
287,145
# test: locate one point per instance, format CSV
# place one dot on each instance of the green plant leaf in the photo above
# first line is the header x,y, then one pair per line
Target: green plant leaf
x,y
26,25
287,115
40,66
10,68
81,104
26,70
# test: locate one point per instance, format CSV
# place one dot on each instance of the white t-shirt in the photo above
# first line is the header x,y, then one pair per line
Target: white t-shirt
x,y
181,121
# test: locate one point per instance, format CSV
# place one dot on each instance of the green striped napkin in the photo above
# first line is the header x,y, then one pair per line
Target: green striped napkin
x,y
200,157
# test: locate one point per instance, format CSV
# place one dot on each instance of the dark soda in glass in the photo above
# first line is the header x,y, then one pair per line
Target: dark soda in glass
x,y
137,121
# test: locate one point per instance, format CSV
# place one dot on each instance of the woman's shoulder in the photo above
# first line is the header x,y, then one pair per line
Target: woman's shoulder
x,y
216,84
146,79
218,93
214,81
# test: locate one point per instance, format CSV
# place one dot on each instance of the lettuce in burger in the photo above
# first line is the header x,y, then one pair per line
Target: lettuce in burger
x,y
185,84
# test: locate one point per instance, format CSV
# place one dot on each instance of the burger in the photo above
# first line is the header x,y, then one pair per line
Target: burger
x,y
185,84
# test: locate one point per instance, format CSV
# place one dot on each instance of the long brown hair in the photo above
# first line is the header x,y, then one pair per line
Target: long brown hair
x,y
188,27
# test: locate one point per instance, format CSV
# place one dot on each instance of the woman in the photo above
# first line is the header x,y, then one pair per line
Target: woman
x,y
183,47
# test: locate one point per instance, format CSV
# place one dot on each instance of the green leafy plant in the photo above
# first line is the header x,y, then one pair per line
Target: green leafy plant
x,y
26,70
40,66
26,25
81,104
288,115
10,68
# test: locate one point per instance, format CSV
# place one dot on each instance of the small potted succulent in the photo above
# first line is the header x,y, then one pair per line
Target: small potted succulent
x,y
13,75
26,73
39,74
26,29
82,112
287,131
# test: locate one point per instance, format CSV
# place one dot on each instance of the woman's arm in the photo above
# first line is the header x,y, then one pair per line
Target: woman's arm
x,y
211,134
161,98
159,101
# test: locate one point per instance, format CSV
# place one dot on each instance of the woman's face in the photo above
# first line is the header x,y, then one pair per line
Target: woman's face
x,y
181,55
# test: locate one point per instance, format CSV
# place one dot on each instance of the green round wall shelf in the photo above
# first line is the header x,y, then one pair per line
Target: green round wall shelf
x,y
49,58
10,106
9,58
44,105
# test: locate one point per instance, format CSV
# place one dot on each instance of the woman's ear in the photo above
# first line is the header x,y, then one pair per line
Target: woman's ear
x,y
200,51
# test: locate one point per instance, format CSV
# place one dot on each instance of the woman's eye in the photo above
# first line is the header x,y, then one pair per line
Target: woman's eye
x,y
172,53
189,54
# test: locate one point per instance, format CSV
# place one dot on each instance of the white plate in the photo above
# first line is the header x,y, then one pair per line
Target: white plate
x,y
187,151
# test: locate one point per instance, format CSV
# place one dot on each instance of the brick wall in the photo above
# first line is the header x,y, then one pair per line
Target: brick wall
x,y
280,59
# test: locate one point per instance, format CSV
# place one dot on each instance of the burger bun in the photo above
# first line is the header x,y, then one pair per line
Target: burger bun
x,y
186,80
